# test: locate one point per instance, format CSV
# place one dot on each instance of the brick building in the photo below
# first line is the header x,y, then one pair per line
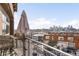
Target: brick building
x,y
67,38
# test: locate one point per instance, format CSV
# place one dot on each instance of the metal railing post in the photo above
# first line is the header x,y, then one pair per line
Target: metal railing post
x,y
29,47
24,45
16,44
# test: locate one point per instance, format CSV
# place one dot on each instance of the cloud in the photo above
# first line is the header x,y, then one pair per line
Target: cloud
x,y
42,23
74,23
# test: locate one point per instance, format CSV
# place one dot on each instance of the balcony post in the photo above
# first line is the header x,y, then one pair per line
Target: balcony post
x,y
28,47
11,26
24,45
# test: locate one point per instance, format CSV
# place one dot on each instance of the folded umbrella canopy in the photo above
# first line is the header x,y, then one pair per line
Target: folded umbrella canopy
x,y
23,26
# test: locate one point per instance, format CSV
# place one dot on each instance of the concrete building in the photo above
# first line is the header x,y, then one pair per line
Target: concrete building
x,y
7,18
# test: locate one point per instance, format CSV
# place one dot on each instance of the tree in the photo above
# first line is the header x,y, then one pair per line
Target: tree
x,y
52,44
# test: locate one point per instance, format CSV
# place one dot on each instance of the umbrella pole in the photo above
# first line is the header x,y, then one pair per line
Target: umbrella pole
x,y
28,47
24,44
24,50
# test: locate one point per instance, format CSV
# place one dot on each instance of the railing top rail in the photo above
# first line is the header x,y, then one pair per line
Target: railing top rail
x,y
13,37
48,51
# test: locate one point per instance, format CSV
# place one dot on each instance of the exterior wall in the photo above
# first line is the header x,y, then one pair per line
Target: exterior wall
x,y
70,38
8,11
0,24
3,20
76,41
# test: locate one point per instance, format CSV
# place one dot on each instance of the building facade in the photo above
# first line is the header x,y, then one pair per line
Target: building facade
x,y
7,18
65,38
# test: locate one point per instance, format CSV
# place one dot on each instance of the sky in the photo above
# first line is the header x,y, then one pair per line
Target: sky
x,y
45,15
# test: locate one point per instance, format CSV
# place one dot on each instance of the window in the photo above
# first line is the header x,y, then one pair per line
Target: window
x,y
40,38
60,38
52,38
70,44
70,39
47,37
4,24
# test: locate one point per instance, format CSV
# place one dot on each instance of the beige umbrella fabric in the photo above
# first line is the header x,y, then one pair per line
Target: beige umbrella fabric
x,y
23,26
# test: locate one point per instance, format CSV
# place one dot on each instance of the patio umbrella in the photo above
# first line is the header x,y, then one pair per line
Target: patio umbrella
x,y
23,26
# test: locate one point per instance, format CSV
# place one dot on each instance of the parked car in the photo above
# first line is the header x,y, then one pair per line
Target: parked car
x,y
69,50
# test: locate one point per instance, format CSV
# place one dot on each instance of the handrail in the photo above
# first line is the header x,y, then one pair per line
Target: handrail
x,y
48,51
64,53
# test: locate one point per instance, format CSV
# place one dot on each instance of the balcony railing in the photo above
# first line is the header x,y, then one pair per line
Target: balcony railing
x,y
33,48
6,46
41,49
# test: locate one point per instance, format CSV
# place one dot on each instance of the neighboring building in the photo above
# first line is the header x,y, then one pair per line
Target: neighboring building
x,y
38,37
7,18
65,38
36,31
